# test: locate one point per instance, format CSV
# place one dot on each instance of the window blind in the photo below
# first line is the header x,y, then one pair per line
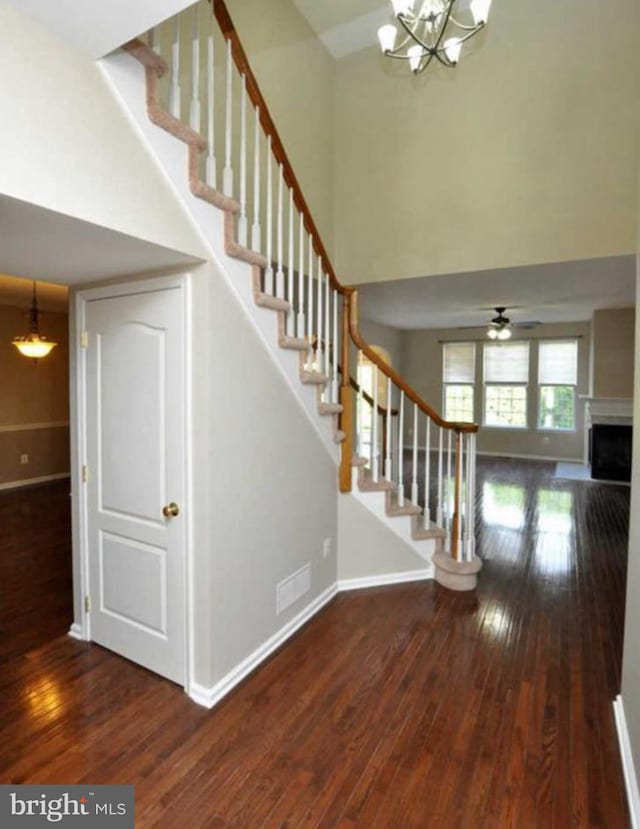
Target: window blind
x,y
558,363
459,362
506,362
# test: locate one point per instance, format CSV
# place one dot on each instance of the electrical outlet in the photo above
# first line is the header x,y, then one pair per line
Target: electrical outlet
x,y
326,547
24,459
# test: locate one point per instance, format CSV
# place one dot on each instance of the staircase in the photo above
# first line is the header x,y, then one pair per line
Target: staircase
x,y
412,470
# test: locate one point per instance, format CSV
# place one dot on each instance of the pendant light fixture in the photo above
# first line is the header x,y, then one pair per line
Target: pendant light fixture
x,y
33,344
429,30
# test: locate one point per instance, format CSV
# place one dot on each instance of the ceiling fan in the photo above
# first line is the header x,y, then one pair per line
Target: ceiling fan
x,y
500,326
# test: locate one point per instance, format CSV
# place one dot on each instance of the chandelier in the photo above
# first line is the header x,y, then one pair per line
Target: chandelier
x,y
429,30
33,344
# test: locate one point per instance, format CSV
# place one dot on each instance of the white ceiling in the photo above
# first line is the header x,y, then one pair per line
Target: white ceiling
x,y
97,27
559,292
40,244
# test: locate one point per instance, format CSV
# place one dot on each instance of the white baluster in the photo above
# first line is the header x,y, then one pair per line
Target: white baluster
x,y
387,461
427,469
211,123
174,87
194,109
448,493
439,515
310,297
327,337
471,489
372,452
335,352
243,225
256,233
374,424
268,274
458,499
154,41
466,440
291,318
400,452
300,324
280,235
227,173
414,471
319,319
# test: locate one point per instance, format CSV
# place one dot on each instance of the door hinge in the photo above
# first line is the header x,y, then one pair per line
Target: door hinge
x,y
84,339
85,473
87,604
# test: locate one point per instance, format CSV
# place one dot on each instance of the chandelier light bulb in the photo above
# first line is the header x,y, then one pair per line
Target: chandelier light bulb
x,y
415,57
402,7
387,37
452,49
480,10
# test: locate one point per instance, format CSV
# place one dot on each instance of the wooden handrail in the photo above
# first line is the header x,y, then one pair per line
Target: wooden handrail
x,y
367,397
255,96
386,369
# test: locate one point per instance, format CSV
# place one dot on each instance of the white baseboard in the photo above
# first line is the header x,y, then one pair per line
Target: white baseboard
x,y
209,696
385,578
76,632
43,479
628,767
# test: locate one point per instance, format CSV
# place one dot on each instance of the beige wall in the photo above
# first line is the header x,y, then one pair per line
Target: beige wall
x,y
296,75
525,153
33,394
71,148
612,332
422,368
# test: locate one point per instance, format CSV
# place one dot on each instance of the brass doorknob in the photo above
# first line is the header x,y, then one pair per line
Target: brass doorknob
x,y
171,510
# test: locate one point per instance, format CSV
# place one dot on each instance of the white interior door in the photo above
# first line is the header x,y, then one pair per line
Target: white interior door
x,y
135,447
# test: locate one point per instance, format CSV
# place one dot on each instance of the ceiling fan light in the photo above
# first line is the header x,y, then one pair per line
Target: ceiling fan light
x,y
387,37
492,333
504,333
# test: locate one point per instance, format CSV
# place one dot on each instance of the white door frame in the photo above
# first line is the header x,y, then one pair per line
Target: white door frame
x,y
81,628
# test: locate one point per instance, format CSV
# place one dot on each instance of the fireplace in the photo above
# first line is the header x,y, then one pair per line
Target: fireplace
x,y
608,422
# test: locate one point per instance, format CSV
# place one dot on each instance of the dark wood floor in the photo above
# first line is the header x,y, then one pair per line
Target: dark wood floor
x,y
398,707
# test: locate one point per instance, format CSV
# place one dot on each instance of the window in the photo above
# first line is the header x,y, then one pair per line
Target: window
x,y
458,372
506,372
557,378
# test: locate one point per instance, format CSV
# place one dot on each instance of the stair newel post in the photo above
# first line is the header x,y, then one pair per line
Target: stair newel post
x,y
280,235
388,474
414,463
256,234
448,508
427,473
194,108
300,321
375,471
400,451
346,397
268,274
466,499
174,85
471,494
291,316
227,173
439,514
211,123
243,225
456,523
